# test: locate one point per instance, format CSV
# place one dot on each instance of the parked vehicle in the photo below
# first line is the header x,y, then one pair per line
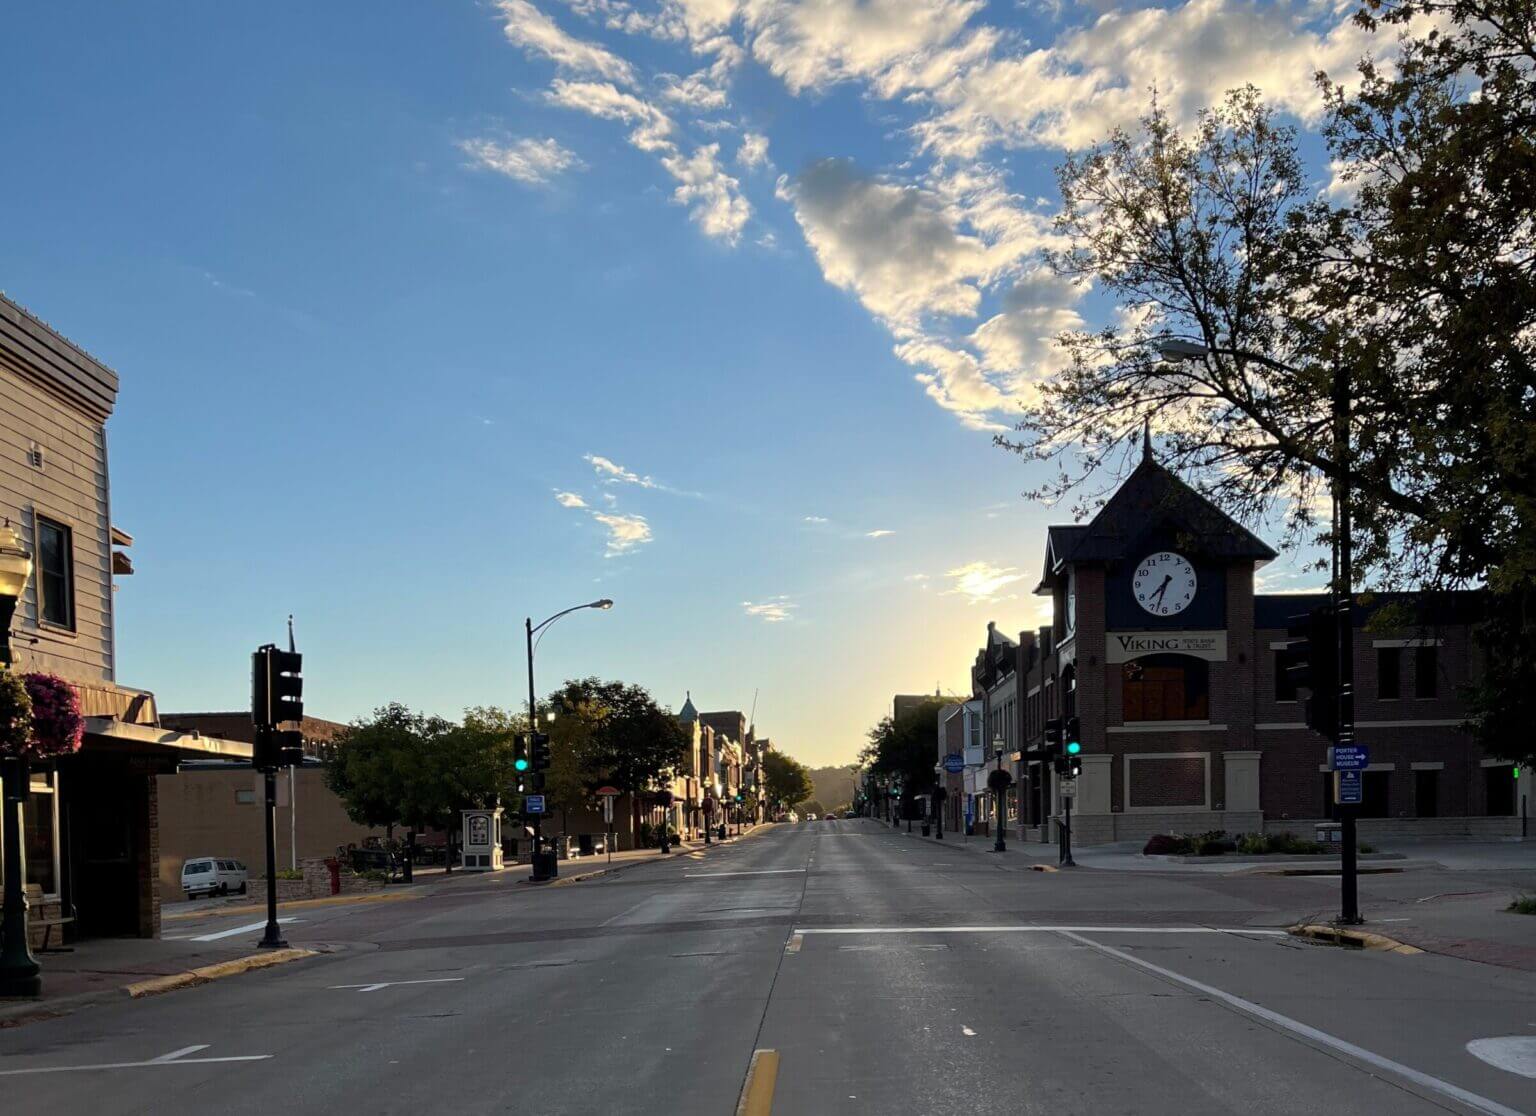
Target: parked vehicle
x,y
810,817
213,875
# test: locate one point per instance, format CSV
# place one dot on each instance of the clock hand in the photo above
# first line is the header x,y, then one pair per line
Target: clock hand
x,y
1163,588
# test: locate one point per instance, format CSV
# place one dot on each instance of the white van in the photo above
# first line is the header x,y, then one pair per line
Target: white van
x,y
213,875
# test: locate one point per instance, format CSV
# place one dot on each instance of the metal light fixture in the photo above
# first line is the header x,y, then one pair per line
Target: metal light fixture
x,y
18,968
1173,350
15,570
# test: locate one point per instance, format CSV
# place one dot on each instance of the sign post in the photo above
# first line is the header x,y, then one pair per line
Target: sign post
x,y
608,794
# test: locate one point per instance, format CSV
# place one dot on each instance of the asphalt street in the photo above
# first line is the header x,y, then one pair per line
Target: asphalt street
x,y
887,974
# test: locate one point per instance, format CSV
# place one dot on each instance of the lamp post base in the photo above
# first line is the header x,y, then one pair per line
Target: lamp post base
x,y
21,983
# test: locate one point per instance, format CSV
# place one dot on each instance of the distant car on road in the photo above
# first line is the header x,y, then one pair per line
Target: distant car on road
x,y
213,875
810,817
850,813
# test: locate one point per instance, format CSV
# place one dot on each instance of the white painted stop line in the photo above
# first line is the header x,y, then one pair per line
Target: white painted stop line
x,y
392,983
746,872
174,1058
262,925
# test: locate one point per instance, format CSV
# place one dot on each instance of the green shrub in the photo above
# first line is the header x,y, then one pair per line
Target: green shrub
x,y
1524,904
376,875
289,874
1252,844
1367,848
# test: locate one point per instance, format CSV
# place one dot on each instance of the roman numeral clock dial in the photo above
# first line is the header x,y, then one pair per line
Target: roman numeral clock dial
x,y
1164,583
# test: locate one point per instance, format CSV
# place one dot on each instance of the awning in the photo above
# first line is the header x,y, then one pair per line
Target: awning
x,y
106,734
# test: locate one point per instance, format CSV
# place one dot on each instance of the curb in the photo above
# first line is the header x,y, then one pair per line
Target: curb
x,y
205,973
1320,870
560,881
1352,939
294,904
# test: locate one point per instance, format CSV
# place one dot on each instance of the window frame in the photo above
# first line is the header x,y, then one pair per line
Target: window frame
x,y
42,521
1430,653
1396,657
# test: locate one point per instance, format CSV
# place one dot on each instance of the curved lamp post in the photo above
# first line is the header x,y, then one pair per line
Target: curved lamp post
x,y
998,747
546,868
18,968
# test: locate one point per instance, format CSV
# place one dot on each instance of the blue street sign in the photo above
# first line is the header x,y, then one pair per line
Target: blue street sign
x,y
533,804
1350,788
970,809
1351,757
954,763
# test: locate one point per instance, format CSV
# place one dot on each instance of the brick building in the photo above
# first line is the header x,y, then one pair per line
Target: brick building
x,y
1175,668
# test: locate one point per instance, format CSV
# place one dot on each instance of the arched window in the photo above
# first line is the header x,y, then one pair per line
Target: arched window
x,y
1166,688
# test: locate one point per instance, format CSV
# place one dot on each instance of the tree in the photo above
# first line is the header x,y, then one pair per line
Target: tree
x,y
902,750
1415,278
399,767
634,744
786,781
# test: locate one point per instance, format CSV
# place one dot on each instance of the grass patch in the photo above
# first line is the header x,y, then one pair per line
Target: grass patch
x,y
1524,904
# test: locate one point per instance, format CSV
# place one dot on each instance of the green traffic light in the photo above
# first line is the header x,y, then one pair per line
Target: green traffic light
x,y
1073,748
521,764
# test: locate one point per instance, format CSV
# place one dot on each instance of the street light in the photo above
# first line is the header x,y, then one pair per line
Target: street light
x,y
546,867
1173,350
998,748
15,570
939,795
18,968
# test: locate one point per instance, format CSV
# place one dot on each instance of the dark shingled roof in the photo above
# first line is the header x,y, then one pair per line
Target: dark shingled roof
x,y
1273,611
1152,497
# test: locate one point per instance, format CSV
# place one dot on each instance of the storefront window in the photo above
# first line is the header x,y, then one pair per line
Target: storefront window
x,y
38,841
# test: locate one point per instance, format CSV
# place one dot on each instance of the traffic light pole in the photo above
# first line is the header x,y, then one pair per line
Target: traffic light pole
x,y
1343,594
536,862
1066,833
273,938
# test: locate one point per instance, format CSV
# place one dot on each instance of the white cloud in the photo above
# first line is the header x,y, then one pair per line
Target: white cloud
x,y
892,245
982,582
713,198
533,161
1096,77
815,44
753,152
815,519
614,473
569,500
954,380
527,27
880,534
625,532
774,610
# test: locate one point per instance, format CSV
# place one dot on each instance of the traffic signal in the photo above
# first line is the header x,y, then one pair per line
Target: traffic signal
x,y
539,756
1052,732
520,760
277,686
1072,736
1313,650
290,748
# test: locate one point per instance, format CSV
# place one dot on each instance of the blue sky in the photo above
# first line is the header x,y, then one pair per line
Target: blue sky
x,y
431,316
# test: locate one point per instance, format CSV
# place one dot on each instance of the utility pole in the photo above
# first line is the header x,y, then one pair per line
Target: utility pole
x,y
1343,594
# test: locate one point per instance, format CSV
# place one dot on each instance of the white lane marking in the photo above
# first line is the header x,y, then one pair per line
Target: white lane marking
x,y
966,1031
239,930
392,983
1322,1038
1035,930
1512,1053
182,1053
744,872
172,1059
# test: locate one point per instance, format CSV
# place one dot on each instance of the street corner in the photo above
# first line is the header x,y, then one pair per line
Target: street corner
x,y
204,973
1352,938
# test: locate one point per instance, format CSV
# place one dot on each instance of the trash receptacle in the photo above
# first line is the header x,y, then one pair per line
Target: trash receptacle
x,y
926,829
584,844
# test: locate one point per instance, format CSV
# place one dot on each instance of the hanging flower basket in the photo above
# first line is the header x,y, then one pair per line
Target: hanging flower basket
x,y
57,725
15,714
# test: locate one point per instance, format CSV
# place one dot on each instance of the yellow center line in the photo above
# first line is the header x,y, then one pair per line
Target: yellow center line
x,y
757,1092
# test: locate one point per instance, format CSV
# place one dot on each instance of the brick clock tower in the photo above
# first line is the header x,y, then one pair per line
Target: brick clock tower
x,y
1154,650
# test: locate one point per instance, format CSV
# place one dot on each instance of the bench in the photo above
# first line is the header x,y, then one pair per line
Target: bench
x,y
48,925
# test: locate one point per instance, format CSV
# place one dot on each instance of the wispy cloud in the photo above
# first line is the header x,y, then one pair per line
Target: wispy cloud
x,y
753,152
527,27
614,473
625,532
880,534
774,610
533,162
981,582
815,519
569,500
916,577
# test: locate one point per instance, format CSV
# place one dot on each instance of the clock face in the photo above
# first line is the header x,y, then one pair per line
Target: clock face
x,y
1164,583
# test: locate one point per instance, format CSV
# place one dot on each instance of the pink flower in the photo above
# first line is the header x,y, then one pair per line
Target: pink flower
x,y
57,725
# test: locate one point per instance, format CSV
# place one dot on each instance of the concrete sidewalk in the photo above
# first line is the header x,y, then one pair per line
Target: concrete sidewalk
x,y
104,969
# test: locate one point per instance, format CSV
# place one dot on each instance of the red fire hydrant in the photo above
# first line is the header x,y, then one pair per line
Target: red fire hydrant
x,y
334,867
